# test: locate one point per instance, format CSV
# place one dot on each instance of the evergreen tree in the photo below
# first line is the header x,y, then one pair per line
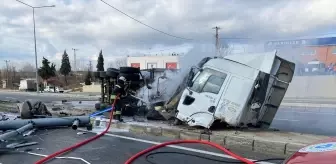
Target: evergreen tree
x,y
46,71
53,69
100,62
65,67
88,78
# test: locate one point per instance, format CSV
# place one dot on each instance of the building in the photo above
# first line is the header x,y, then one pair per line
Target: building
x,y
147,62
306,50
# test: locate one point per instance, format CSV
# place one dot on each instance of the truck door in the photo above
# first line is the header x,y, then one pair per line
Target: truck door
x,y
198,102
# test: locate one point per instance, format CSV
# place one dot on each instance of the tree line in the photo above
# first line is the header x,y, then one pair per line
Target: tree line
x,y
48,70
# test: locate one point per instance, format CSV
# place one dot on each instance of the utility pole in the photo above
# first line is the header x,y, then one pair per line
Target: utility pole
x,y
217,40
75,67
36,67
7,72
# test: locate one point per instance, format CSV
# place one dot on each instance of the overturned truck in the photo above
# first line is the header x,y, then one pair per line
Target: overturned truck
x,y
240,90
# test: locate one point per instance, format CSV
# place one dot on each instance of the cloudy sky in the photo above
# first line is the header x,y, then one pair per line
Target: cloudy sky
x,y
91,25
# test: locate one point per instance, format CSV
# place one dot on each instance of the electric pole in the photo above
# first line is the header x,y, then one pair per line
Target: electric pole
x,y
217,40
7,72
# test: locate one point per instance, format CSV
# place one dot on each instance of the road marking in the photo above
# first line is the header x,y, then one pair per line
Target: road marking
x,y
176,147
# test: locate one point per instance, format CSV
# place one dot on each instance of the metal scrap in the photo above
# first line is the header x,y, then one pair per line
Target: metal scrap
x,y
29,133
14,146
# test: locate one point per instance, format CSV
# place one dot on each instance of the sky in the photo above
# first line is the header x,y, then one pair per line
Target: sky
x,y
92,25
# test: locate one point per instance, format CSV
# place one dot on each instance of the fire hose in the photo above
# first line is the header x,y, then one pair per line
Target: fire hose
x,y
136,156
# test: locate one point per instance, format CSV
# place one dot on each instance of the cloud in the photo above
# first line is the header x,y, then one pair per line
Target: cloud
x,y
91,25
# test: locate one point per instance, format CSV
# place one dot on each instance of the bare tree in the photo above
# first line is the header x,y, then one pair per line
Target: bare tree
x,y
119,62
27,71
27,67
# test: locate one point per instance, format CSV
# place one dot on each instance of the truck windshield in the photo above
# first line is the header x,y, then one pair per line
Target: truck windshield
x,y
209,80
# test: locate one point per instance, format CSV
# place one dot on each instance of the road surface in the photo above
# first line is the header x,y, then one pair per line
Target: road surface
x,y
319,121
297,119
45,97
117,148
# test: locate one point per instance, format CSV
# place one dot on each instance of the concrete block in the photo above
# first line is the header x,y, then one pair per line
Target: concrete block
x,y
205,137
137,129
218,139
155,131
171,133
269,147
293,147
239,142
189,135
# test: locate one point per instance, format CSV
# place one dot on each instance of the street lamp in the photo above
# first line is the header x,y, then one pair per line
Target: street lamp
x,y
35,7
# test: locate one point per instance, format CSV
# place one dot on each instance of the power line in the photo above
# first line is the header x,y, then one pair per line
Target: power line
x,y
144,23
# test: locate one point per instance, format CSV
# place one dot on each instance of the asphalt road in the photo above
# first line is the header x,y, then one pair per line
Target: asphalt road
x,y
319,121
117,148
297,119
45,97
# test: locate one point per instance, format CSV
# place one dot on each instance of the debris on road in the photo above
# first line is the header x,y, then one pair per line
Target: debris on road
x,y
81,133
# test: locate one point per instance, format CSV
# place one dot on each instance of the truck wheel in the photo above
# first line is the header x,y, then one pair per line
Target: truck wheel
x,y
112,72
128,70
131,77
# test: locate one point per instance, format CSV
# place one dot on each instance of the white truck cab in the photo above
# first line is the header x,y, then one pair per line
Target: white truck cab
x,y
241,90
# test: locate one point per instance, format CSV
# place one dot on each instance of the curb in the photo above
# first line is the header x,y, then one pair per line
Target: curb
x,y
238,142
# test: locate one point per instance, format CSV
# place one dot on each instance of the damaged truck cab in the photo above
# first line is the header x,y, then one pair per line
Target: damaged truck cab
x,y
240,90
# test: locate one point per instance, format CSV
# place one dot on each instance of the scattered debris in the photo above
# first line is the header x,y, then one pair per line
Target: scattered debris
x,y
80,133
28,109
29,133
56,109
14,146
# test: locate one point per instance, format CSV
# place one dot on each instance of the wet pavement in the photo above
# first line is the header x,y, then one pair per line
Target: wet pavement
x,y
116,149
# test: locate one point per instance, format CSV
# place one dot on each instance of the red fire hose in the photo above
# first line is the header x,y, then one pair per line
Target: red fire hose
x,y
77,145
130,160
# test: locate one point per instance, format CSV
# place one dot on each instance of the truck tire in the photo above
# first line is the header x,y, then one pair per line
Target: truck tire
x,y
127,70
112,73
131,77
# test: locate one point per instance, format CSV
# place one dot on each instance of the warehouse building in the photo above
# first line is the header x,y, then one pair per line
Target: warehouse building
x,y
307,50
148,62
312,56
